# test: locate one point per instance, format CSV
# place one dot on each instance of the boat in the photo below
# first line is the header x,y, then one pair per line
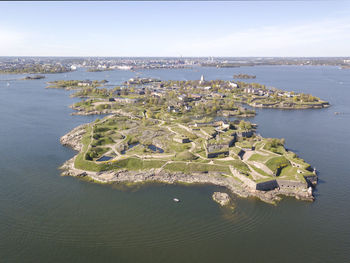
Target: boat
x,y
176,200
8,84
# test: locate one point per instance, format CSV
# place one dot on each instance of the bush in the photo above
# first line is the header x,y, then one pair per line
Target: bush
x,y
275,145
95,152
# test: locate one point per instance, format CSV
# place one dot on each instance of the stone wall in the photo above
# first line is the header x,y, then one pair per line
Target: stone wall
x,y
246,180
181,139
216,147
267,186
282,184
291,184
216,154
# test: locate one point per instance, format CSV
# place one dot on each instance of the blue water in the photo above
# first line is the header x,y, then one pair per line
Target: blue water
x,y
155,148
130,146
48,218
104,158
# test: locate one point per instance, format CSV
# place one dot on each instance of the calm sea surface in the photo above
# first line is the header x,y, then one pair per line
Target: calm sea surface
x,y
48,218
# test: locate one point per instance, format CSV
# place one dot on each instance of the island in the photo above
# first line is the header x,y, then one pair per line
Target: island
x,y
75,84
34,77
98,69
244,76
180,132
34,69
192,98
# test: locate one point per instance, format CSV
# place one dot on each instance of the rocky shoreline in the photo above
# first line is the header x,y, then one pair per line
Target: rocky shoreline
x,y
292,107
73,140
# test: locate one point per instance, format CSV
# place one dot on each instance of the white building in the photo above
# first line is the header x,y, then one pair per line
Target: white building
x,y
232,84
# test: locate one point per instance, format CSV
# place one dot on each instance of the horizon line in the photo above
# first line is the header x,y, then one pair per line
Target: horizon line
x,y
41,56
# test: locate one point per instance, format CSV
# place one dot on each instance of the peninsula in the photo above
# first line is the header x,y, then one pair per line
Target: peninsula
x,y
183,132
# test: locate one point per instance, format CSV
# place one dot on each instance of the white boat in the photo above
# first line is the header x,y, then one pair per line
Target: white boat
x,y
176,200
8,84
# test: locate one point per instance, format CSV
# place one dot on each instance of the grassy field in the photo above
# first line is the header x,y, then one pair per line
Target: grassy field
x,y
277,163
244,144
184,132
260,158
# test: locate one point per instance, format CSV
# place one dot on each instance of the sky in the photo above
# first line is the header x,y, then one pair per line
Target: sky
x,y
228,28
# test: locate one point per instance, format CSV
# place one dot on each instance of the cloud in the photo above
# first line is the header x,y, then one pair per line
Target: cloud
x,y
326,38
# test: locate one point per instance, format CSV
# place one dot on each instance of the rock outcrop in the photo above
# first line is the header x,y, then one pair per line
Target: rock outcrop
x,y
221,198
73,138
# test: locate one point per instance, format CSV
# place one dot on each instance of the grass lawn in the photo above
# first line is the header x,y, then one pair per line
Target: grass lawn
x,y
236,150
259,158
277,162
184,132
240,166
244,144
102,141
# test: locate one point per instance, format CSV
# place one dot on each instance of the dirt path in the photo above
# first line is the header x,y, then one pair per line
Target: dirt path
x,y
247,155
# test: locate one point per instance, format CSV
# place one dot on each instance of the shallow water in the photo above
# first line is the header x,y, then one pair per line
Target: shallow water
x,y
104,158
48,218
155,148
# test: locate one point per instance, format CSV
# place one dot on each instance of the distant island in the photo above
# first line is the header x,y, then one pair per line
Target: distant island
x,y
75,84
98,69
43,65
244,76
34,69
180,131
34,77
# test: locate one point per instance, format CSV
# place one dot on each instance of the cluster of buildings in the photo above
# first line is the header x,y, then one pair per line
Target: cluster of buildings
x,y
259,92
220,135
85,83
141,81
135,63
268,92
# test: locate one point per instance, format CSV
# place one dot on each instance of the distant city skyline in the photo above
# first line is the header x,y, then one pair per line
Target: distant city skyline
x,y
173,29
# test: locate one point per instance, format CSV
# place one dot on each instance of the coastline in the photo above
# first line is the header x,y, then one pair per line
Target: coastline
x,y
302,107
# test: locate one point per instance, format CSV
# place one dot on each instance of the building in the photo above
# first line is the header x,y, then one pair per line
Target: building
x,y
85,83
202,80
233,85
181,139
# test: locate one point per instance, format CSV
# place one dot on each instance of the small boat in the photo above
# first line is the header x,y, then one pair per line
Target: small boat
x,y
176,200
8,84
